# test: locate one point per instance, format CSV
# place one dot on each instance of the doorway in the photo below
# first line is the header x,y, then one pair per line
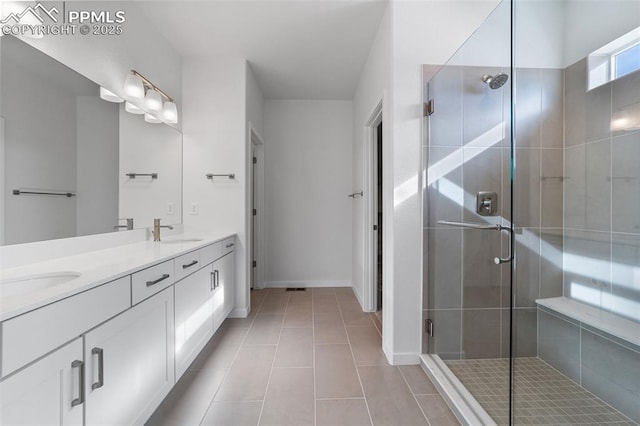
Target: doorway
x,y
377,168
256,209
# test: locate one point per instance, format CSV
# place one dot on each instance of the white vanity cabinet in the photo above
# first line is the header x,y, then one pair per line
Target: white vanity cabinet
x,y
130,363
48,392
193,316
224,288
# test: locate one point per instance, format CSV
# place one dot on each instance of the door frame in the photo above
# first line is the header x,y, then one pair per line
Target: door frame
x,y
256,147
370,295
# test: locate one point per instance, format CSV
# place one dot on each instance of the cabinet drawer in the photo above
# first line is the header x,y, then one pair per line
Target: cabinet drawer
x,y
29,336
150,281
187,264
210,253
228,245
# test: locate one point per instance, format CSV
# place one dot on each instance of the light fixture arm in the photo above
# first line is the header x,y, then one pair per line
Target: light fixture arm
x,y
149,84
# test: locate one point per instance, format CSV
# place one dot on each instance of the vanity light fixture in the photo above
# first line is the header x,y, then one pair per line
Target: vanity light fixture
x,y
134,87
151,100
108,95
151,119
129,107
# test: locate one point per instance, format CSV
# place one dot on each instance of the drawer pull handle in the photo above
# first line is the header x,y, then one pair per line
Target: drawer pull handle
x,y
189,265
157,280
217,276
213,281
80,399
100,382
230,245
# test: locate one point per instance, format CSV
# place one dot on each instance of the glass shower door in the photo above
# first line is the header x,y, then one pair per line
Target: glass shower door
x,y
468,161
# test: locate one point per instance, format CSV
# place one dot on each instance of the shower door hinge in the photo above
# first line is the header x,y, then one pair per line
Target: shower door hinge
x,y
255,160
255,212
254,264
429,107
428,327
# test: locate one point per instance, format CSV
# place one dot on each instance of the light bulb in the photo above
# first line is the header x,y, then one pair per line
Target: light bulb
x,y
108,95
170,113
129,107
151,119
133,87
153,101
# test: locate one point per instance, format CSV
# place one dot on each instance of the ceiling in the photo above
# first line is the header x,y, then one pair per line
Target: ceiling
x,y
297,49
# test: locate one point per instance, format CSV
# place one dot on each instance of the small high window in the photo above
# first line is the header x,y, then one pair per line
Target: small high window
x,y
616,59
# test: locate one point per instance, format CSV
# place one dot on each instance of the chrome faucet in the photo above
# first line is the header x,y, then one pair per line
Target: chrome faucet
x,y
129,224
156,229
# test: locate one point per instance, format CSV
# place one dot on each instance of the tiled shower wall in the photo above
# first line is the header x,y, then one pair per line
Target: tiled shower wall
x,y
466,151
602,192
601,255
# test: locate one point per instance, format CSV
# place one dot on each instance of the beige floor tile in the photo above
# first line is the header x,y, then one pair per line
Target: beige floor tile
x,y
342,412
323,290
418,381
329,328
221,349
249,374
239,322
265,330
376,322
298,297
326,307
367,345
298,317
187,402
233,414
336,375
289,399
271,308
389,398
295,348
437,410
353,316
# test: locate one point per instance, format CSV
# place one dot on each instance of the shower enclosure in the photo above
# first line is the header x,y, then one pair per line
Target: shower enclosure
x,y
532,216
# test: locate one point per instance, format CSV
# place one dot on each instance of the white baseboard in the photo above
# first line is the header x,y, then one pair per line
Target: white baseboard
x,y
306,284
405,359
239,313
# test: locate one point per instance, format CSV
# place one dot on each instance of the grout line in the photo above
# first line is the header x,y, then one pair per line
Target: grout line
x,y
273,363
355,365
406,382
313,362
235,357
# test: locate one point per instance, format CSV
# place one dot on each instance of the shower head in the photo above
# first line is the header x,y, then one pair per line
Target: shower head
x,y
495,81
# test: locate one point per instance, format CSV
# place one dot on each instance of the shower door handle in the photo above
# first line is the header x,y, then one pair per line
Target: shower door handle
x,y
473,225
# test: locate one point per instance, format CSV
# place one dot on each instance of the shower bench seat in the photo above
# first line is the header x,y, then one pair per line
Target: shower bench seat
x,y
607,322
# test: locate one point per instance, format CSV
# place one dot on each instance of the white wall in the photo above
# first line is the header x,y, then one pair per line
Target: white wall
x,y
214,140
149,148
308,177
373,84
424,32
97,168
590,24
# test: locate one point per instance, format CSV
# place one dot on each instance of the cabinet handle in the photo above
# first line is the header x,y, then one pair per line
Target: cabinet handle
x,y
156,281
80,399
189,265
216,279
213,281
229,245
100,382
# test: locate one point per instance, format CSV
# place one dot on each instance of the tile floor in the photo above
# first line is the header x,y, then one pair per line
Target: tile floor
x,y
301,358
543,395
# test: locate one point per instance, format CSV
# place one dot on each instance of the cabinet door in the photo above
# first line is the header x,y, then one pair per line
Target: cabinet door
x,y
194,317
223,295
47,392
130,363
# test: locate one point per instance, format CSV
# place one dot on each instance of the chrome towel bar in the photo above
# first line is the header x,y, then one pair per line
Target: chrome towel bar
x,y
61,194
496,227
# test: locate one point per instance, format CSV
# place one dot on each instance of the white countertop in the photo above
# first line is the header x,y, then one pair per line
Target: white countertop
x,y
96,268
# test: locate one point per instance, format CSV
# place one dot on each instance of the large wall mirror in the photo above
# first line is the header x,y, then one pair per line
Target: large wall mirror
x,y
72,163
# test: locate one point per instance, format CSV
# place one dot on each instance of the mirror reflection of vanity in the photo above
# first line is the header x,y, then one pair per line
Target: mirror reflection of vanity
x,y
72,163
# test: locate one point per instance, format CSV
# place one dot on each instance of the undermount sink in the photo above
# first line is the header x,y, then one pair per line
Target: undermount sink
x,y
23,285
181,240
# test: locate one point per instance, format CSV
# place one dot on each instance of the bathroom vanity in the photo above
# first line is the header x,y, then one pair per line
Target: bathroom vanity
x,y
101,337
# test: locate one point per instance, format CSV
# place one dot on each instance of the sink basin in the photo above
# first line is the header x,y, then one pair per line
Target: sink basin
x,y
181,240
23,285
